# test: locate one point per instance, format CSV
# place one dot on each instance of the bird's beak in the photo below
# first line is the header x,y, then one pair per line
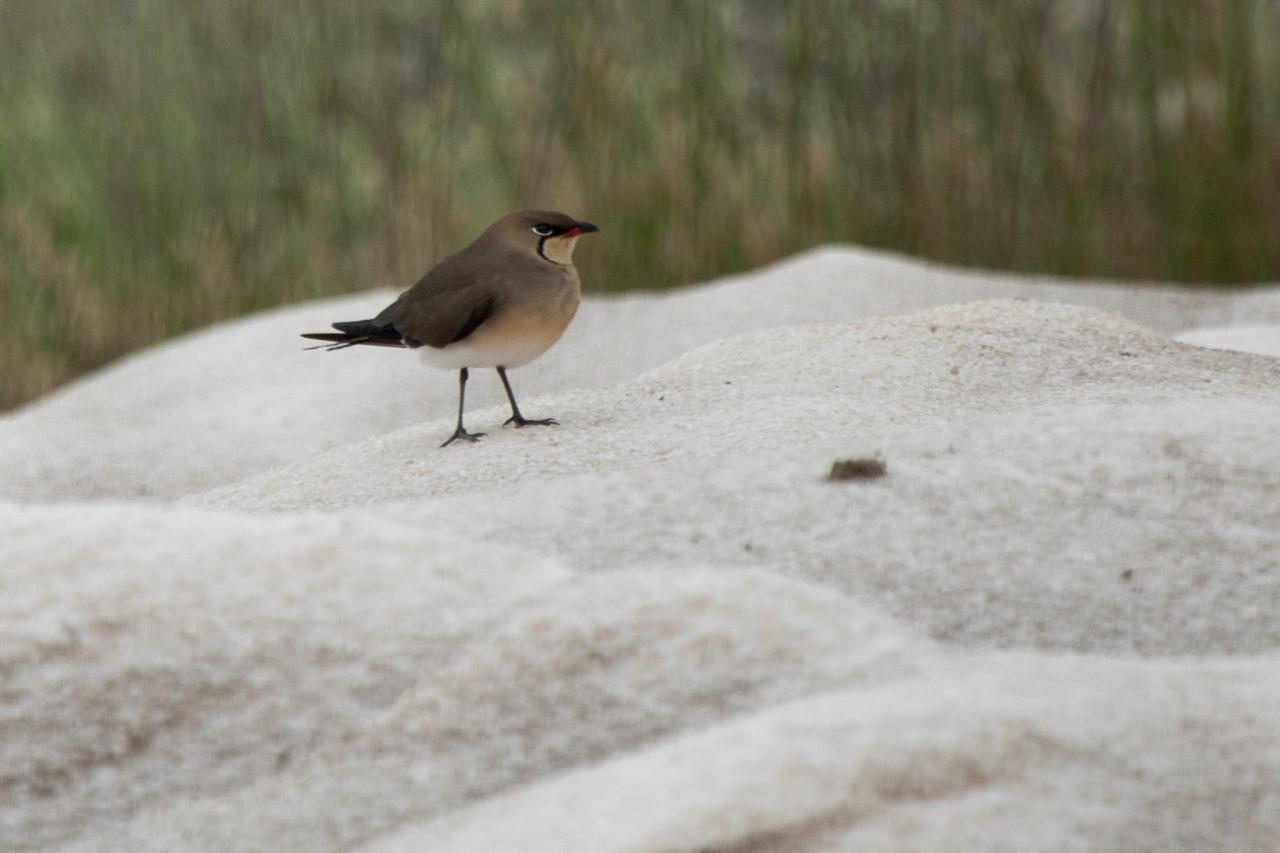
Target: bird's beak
x,y
581,228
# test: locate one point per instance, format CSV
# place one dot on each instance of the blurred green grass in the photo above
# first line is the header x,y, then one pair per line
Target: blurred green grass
x,y
164,164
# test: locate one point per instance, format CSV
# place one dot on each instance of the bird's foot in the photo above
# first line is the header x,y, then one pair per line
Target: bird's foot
x,y
461,433
524,422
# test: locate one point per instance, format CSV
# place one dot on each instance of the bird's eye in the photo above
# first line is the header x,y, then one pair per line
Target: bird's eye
x,y
543,230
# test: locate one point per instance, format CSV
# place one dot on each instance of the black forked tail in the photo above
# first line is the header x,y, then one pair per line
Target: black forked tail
x,y
356,332
335,341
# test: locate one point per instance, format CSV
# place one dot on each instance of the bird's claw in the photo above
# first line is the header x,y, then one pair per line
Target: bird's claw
x,y
524,422
465,436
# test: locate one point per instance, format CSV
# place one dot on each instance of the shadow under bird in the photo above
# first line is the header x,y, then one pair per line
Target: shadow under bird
x,y
500,302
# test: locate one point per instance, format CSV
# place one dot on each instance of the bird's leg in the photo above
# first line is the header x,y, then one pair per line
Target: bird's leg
x,y
516,418
461,433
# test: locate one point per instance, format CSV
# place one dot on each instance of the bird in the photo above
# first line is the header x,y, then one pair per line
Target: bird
x,y
500,302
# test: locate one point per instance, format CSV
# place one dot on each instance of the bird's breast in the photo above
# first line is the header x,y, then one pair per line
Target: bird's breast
x,y
514,336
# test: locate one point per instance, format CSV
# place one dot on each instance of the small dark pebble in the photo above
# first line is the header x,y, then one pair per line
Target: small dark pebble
x,y
1127,575
857,469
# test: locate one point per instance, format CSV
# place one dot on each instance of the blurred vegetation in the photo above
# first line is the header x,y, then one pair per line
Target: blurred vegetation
x,y
166,164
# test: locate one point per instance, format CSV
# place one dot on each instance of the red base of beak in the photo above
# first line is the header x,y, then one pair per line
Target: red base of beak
x,y
582,228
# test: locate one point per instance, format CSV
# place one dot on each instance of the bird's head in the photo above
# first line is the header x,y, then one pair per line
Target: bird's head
x,y
551,235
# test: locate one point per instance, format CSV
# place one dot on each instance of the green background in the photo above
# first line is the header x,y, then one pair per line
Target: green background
x,y
167,164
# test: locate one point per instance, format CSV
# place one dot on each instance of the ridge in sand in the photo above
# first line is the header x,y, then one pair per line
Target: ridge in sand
x,y
271,616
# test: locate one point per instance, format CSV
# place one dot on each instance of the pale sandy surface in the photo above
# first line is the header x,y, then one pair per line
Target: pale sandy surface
x,y
1053,625
1261,339
216,406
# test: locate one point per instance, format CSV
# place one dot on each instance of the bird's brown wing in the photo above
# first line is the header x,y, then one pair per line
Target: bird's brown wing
x,y
446,305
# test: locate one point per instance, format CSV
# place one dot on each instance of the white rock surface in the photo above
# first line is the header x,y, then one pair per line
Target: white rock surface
x,y
1260,339
1004,754
226,402
1052,625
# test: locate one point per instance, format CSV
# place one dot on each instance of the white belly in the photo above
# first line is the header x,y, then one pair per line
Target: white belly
x,y
513,352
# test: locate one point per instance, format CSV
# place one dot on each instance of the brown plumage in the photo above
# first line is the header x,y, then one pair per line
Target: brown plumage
x,y
500,302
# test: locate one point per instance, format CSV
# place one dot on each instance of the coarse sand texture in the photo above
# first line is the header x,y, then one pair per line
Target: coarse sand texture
x,y
247,604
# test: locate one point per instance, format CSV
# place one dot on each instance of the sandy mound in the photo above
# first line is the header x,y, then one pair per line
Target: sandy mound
x,y
151,653
323,679
1001,754
830,388
1050,625
318,685
227,402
